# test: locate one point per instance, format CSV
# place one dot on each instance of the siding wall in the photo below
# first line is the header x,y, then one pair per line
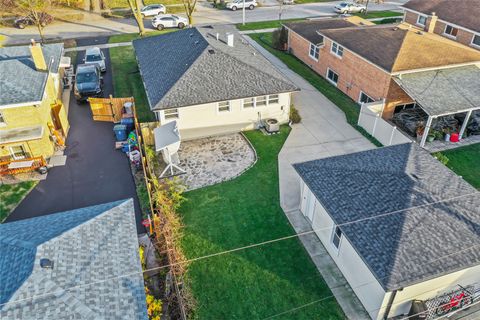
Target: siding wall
x,y
464,37
30,116
204,120
362,281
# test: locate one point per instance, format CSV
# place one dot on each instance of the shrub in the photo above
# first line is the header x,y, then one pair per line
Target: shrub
x,y
441,157
294,115
280,39
154,306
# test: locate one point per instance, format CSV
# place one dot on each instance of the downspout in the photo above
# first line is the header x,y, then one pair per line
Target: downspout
x,y
389,304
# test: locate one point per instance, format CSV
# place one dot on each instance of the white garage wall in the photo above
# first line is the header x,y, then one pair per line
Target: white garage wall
x,y
360,278
207,116
432,288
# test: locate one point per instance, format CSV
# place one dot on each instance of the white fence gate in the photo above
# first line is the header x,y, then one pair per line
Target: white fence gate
x,y
370,119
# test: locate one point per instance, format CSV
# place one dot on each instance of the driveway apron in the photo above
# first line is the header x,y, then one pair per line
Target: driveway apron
x,y
94,172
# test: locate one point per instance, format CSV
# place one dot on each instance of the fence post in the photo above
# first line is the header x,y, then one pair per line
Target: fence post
x,y
391,135
375,124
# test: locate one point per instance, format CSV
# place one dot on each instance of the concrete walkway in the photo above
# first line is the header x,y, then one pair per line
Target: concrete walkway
x,y
323,132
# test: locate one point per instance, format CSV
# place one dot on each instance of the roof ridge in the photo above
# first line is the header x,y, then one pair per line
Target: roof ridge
x,y
395,61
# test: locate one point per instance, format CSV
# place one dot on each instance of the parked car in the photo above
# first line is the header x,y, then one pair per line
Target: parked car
x,y
153,10
88,82
349,7
22,22
238,4
95,56
163,21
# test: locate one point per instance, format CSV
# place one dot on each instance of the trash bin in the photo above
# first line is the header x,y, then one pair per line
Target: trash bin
x,y
120,132
454,137
129,123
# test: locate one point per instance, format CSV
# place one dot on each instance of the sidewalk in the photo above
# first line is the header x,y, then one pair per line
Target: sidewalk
x,y
323,132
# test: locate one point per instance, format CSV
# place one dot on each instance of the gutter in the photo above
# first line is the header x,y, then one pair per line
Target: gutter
x,y
389,304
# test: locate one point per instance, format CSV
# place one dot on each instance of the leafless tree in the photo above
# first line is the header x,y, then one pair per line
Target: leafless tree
x,y
135,7
189,6
367,2
37,10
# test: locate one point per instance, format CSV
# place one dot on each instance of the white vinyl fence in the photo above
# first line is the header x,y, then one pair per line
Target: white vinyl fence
x,y
370,119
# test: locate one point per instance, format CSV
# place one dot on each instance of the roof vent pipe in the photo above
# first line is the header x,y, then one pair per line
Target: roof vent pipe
x,y
217,36
230,39
46,263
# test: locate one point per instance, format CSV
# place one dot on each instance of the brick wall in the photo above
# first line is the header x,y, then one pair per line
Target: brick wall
x,y
464,37
355,74
395,96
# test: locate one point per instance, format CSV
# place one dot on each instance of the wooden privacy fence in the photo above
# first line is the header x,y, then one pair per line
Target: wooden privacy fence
x,y
108,109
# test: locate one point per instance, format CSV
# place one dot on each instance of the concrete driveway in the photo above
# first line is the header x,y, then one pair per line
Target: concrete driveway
x,y
94,172
94,25
323,132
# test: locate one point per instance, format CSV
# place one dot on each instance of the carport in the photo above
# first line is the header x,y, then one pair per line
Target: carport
x,y
444,92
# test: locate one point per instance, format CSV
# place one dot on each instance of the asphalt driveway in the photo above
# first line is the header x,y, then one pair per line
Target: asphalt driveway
x,y
94,172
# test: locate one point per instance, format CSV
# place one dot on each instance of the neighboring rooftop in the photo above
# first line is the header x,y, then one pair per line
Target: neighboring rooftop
x,y
445,91
407,215
309,29
87,246
191,67
395,48
464,13
20,81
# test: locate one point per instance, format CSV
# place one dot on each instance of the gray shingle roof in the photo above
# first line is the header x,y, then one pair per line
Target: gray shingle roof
x,y
20,82
411,245
87,245
444,91
190,67
309,29
464,13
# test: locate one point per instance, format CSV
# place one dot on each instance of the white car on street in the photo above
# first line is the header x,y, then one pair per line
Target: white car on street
x,y
153,10
95,56
238,4
163,21
349,7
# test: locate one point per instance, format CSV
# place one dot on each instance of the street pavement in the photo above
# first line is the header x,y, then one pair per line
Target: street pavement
x,y
94,173
94,25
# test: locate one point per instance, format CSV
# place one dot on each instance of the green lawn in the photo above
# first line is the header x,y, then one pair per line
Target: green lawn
x,y
465,161
344,102
11,195
264,24
379,14
127,81
258,282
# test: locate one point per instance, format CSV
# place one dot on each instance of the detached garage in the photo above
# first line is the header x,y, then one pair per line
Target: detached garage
x,y
399,225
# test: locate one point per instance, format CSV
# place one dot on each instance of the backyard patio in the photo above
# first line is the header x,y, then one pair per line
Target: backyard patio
x,y
212,160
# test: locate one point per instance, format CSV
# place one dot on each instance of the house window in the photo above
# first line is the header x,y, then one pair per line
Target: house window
x,y
2,120
272,99
18,152
476,40
451,31
332,76
171,113
337,49
422,20
336,237
248,103
313,51
404,106
364,98
224,106
261,101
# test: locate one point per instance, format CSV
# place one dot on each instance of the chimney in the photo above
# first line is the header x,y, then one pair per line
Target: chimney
x,y
433,22
230,39
37,56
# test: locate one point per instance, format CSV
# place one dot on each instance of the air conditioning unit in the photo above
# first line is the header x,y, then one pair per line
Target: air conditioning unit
x,y
272,125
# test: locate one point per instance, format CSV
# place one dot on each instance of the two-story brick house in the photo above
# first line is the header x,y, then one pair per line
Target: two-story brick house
x,y
33,120
363,61
457,20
